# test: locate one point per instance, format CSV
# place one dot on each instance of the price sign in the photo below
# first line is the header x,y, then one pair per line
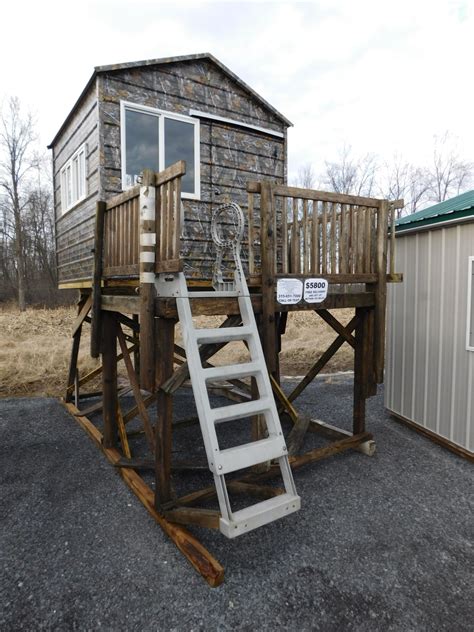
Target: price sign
x,y
315,290
289,291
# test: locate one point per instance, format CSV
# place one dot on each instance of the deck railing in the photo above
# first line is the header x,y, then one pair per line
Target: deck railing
x,y
321,233
124,221
121,234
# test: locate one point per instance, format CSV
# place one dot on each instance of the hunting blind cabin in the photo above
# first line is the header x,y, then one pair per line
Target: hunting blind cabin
x,y
172,203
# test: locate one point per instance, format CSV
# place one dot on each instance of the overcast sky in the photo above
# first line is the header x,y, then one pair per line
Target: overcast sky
x,y
383,76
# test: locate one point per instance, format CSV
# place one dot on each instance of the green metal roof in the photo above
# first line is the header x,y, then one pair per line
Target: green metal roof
x,y
455,208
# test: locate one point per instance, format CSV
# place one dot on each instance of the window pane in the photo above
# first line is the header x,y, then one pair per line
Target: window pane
x,y
179,145
81,174
141,144
75,179
63,190
68,185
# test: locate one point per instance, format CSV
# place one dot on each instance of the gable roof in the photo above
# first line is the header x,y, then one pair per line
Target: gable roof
x,y
172,60
456,208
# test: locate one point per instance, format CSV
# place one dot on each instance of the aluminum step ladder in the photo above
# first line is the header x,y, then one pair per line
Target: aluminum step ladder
x,y
272,447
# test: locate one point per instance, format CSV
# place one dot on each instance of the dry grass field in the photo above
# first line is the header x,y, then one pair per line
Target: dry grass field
x,y
35,347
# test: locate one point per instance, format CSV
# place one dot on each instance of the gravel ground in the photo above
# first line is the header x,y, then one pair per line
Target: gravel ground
x,y
381,543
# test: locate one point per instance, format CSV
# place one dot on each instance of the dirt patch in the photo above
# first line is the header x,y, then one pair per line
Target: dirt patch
x,y
35,348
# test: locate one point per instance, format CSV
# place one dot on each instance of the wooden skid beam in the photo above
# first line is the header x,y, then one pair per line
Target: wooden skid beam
x,y
200,558
208,493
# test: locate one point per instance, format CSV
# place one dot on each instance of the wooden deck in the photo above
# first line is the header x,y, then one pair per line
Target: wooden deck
x,y
291,234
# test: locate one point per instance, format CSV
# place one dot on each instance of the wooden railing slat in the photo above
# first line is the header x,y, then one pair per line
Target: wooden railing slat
x,y
284,223
295,250
324,236
333,238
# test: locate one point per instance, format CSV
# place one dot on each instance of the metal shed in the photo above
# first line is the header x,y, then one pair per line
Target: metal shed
x,y
430,325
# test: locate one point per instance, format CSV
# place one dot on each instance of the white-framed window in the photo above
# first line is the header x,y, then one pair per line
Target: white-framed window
x,y
155,139
470,306
73,180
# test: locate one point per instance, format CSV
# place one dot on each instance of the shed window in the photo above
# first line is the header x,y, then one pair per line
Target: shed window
x,y
154,139
73,179
470,306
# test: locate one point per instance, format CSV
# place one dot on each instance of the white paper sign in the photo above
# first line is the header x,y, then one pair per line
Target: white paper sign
x,y
315,290
289,291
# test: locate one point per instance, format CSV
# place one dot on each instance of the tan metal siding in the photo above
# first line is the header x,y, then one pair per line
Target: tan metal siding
x,y
430,373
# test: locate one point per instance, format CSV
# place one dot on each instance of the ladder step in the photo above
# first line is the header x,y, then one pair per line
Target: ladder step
x,y
249,454
257,515
223,334
240,410
233,371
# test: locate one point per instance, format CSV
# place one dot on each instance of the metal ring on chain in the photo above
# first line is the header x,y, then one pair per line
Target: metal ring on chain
x,y
235,219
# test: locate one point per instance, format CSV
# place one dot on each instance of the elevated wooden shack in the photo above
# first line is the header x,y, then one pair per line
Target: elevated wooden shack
x,y
148,115
140,238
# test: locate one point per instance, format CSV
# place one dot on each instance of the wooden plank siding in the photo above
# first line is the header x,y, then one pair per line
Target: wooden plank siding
x,y
229,156
75,228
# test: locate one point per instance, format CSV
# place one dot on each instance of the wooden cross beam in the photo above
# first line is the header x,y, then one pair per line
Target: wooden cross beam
x,y
324,359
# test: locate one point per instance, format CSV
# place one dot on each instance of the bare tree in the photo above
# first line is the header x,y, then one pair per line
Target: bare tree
x,y
306,177
350,174
403,180
16,139
449,173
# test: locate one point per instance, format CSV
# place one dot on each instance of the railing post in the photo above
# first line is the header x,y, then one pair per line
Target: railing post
x,y
97,278
147,232
267,240
380,291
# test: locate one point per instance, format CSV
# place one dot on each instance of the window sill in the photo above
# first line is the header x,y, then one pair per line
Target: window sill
x,y
74,206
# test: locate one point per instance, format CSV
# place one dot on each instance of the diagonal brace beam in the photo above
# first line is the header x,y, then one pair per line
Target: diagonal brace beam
x,y
323,360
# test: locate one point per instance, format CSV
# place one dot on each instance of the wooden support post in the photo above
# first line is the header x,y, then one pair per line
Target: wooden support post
x,y
269,333
361,369
164,403
97,278
380,291
147,280
372,382
109,379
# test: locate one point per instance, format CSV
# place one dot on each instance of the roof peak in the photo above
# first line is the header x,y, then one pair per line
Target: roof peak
x,y
171,60
193,57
